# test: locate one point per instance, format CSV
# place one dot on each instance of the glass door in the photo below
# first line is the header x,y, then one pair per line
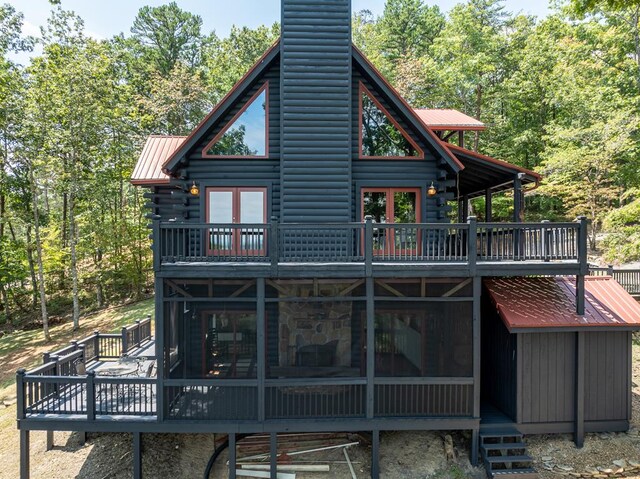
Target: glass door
x,y
392,206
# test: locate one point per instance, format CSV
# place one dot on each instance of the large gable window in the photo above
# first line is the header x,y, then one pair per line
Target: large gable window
x,y
381,137
246,134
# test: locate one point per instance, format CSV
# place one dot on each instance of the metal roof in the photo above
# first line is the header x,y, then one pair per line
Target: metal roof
x,y
148,169
442,119
550,302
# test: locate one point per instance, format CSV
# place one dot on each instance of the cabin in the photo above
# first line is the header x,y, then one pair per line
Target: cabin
x,y
309,277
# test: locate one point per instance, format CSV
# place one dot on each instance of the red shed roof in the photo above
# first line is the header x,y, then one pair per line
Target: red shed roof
x,y
157,149
438,119
538,303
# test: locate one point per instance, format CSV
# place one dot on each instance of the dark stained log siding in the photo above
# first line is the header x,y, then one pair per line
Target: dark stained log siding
x,y
548,377
316,116
607,375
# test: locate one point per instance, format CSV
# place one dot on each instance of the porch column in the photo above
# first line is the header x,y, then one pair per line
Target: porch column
x,y
517,199
273,461
465,208
232,455
260,347
160,353
137,455
477,293
580,371
488,205
370,342
375,454
49,440
24,454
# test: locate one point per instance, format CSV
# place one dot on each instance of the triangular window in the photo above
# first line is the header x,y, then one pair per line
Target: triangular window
x,y
246,134
380,135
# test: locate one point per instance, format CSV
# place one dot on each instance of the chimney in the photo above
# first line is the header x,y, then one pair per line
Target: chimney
x,y
316,120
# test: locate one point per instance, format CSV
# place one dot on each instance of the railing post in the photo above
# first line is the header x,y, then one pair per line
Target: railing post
x,y
125,345
54,359
156,245
583,265
74,343
46,357
96,349
472,245
368,245
20,393
83,358
91,395
546,240
610,270
274,245
136,335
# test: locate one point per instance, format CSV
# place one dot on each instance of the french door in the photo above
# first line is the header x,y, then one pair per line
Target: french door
x,y
236,206
388,206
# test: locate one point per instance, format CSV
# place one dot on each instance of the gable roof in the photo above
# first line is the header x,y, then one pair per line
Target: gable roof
x,y
157,149
232,96
541,303
447,119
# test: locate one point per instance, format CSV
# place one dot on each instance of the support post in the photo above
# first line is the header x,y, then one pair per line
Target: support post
x,y
157,260
375,454
580,294
584,264
461,138
159,310
517,199
274,246
368,246
610,270
20,393
96,345
477,294
475,445
260,347
273,458
472,244
370,351
465,208
488,205
232,455
49,440
91,396
137,455
580,372
24,454
545,234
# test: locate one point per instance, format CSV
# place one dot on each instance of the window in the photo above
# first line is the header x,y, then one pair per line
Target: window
x,y
246,135
236,206
381,137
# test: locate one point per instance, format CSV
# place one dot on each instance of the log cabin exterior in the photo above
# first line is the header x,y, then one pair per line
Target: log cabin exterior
x,y
308,277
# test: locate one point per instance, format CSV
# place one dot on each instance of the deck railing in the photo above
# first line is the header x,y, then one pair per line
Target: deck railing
x,y
368,242
629,279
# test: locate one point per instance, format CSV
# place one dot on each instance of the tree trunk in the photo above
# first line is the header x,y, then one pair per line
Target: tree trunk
x,y
99,288
5,303
32,269
36,225
74,260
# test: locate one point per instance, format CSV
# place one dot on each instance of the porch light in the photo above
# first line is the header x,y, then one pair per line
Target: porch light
x,y
432,191
194,190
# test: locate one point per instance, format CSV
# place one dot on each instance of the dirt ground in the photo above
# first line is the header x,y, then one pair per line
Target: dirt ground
x,y
407,455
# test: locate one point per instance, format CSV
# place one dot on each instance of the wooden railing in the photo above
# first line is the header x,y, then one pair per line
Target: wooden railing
x,y
369,242
629,279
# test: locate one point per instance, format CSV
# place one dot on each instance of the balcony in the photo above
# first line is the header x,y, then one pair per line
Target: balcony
x,y
370,249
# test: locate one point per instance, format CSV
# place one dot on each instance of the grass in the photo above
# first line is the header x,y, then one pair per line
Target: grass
x,y
23,349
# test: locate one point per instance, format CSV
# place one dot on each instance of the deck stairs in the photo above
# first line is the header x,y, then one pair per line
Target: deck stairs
x,y
504,454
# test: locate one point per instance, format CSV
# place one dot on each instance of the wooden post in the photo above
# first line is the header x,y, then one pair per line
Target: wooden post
x,y
375,454
580,373
610,270
96,344
232,455
274,245
125,343
49,440
545,233
24,454
273,460
584,265
157,260
517,199
488,205
461,138
465,208
20,393
136,334
159,350
368,246
472,244
370,351
477,294
261,346
137,455
91,396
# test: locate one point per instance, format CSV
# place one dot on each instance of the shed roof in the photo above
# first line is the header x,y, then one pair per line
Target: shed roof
x,y
443,119
539,303
157,149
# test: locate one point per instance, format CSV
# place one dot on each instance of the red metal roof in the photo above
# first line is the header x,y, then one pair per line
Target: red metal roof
x,y
448,120
148,169
538,303
480,156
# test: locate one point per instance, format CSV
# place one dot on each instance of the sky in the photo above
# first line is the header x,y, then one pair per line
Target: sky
x,y
105,18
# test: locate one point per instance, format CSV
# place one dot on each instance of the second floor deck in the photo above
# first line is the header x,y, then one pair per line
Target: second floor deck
x,y
370,249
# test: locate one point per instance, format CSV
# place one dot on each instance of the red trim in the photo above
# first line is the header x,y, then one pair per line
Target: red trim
x,y
495,161
264,88
236,212
363,89
404,102
196,130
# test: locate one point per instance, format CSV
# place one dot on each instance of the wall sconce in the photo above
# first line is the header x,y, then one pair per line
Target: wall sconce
x,y
194,190
432,191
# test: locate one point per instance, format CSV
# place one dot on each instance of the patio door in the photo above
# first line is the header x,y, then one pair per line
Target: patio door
x,y
393,205
236,206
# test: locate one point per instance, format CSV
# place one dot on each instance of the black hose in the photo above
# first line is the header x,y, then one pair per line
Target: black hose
x,y
217,452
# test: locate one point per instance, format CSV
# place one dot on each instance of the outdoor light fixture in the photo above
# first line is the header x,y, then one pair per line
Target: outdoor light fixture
x,y
431,191
194,190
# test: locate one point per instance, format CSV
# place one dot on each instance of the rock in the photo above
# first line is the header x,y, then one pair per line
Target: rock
x,y
547,458
564,468
604,435
619,470
548,467
620,463
633,463
575,474
592,470
606,470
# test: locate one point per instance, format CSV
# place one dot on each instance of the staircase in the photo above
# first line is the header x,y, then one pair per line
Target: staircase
x,y
505,455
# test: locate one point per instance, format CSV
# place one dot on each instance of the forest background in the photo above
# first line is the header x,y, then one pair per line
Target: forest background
x,y
560,95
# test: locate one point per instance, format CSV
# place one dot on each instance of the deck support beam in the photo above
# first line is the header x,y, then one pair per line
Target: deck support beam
x,y
488,205
375,454
232,455
475,445
137,455
49,440
273,458
477,295
24,454
580,375
518,209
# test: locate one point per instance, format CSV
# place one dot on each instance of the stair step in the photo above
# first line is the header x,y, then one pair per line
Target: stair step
x,y
502,459
501,446
500,432
524,473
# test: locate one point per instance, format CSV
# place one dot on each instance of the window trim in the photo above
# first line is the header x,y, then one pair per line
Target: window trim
x,y
263,88
364,90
